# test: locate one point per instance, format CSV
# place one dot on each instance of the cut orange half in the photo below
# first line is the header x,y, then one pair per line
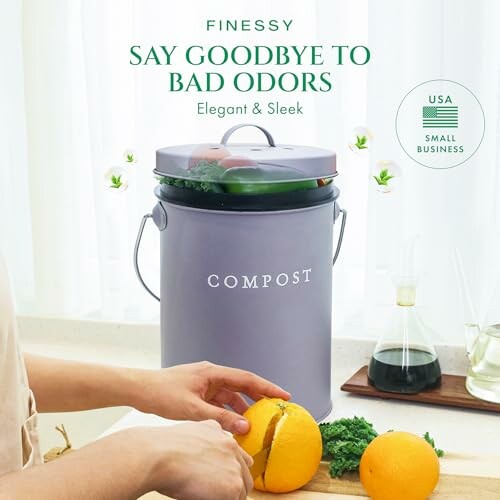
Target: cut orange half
x,y
295,441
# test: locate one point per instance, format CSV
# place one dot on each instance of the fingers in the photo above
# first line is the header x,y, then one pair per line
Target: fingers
x,y
246,457
213,402
229,421
242,381
232,399
245,474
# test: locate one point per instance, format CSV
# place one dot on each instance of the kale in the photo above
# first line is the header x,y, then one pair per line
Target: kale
x,y
344,441
427,437
204,178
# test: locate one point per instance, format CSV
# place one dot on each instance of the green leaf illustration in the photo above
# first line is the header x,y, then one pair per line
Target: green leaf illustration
x,y
116,181
383,177
361,141
130,158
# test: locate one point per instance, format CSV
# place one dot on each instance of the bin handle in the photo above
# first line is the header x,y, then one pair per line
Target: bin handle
x,y
136,256
230,131
343,211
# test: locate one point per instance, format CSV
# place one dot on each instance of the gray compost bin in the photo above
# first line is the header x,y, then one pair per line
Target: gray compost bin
x,y
246,260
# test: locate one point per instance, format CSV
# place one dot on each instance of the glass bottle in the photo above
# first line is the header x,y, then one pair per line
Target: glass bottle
x,y
404,359
483,377
482,337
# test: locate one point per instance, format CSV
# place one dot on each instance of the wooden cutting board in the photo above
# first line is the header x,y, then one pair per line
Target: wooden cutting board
x,y
463,477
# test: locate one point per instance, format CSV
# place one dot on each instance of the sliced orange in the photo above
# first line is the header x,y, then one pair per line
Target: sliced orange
x,y
295,441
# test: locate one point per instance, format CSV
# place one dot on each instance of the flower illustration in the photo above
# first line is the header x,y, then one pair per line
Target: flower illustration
x,y
116,179
361,139
386,174
129,156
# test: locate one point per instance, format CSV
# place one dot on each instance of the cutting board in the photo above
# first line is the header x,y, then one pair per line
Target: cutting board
x,y
463,477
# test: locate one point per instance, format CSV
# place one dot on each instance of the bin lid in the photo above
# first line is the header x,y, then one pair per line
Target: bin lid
x,y
244,163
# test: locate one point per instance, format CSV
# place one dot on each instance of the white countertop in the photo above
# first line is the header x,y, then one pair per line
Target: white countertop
x,y
454,430
457,430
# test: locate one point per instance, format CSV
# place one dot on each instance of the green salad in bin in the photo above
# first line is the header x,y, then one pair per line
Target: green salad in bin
x,y
234,177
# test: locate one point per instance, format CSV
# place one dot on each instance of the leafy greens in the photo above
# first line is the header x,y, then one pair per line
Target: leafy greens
x,y
344,441
427,437
204,177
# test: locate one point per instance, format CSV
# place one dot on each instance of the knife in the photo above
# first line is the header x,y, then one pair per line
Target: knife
x,y
259,463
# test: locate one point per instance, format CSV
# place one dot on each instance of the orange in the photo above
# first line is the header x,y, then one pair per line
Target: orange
x,y
295,441
399,466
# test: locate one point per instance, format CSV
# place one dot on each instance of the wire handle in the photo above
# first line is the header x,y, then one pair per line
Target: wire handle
x,y
136,256
230,131
343,211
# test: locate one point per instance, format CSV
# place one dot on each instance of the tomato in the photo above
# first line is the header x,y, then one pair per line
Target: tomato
x,y
209,153
237,161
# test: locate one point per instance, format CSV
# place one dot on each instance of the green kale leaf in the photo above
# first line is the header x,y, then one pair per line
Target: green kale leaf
x,y
427,437
202,177
344,441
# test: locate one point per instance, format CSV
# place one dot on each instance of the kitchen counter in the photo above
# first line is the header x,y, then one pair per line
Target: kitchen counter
x,y
461,431
463,434
456,431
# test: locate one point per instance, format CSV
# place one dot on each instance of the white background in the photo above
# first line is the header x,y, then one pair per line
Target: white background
x,y
70,104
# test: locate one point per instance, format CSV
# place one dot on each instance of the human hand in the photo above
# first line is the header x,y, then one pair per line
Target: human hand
x,y
191,461
199,391
196,461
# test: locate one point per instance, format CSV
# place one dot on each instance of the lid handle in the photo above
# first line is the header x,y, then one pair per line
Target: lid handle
x,y
229,132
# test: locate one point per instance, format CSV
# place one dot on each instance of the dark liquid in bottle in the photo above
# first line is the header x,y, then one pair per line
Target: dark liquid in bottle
x,y
409,371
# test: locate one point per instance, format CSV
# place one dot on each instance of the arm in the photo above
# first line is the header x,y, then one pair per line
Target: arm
x,y
106,469
197,391
194,461
61,385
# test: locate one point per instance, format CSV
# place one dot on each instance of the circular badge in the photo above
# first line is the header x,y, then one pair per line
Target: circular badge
x,y
440,124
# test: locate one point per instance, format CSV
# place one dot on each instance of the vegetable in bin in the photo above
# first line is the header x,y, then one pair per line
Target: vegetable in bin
x,y
205,176
237,175
251,180
207,153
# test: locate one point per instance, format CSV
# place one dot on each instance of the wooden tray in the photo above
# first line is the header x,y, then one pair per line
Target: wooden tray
x,y
452,392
